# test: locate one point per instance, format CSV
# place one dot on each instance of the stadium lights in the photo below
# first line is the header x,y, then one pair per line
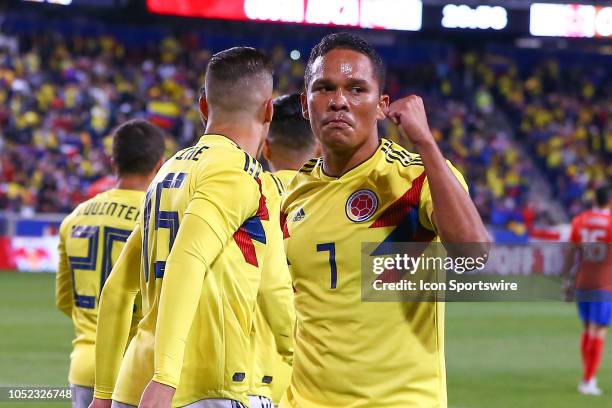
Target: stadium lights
x,y
380,14
482,17
60,2
389,14
570,20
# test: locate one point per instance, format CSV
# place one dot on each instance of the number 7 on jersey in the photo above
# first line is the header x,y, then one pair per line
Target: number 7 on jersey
x,y
331,247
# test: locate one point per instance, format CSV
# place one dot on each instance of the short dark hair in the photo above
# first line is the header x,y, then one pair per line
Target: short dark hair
x,y
226,70
137,147
346,41
602,196
289,129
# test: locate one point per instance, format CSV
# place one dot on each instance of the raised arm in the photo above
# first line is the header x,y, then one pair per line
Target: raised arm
x,y
454,216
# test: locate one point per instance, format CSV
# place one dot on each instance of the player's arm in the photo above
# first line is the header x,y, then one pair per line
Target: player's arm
x,y
115,315
454,215
275,297
223,201
570,250
64,298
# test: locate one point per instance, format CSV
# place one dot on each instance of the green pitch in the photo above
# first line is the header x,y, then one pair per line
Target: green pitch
x,y
515,355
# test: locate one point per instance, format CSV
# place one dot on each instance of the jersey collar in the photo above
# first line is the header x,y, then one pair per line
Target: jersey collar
x,y
207,137
355,171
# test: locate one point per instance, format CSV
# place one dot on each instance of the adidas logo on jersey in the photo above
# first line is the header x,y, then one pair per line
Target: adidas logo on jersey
x,y
299,216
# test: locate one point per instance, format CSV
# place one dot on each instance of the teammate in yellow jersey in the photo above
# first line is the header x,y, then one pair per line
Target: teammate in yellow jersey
x,y
350,353
274,319
289,145
198,246
290,142
92,237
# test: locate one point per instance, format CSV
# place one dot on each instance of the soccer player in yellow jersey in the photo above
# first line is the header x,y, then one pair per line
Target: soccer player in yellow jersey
x,y
92,237
350,353
199,246
290,143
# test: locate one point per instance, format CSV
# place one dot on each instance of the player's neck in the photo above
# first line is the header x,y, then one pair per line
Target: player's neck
x,y
284,161
338,162
243,134
133,182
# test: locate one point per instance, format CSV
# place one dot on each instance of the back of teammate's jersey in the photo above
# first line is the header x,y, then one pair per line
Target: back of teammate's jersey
x,y
91,238
199,180
592,230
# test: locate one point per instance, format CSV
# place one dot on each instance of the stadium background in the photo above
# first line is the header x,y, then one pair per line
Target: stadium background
x,y
518,96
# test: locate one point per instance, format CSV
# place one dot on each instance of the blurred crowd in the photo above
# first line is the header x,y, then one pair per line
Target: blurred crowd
x,y
61,98
504,122
499,123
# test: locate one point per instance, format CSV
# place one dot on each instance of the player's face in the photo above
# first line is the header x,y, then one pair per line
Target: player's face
x,y
343,100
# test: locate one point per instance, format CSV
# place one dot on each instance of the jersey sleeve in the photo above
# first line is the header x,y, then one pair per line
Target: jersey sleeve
x,y
275,297
426,204
223,200
115,315
64,299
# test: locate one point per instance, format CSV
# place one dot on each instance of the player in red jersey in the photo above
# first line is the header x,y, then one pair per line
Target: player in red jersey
x,y
591,236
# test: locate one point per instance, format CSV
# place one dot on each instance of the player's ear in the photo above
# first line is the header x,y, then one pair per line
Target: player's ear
x,y
304,102
203,108
383,105
159,164
269,111
266,150
114,168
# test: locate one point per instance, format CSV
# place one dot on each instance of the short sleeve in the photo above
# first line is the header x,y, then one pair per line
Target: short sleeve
x,y
426,204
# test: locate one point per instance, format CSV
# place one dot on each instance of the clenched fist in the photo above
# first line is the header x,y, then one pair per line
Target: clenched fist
x,y
409,115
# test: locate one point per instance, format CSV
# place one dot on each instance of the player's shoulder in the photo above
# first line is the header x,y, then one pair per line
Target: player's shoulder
x,y
398,155
578,218
396,161
75,214
599,218
125,196
400,164
583,218
309,167
285,177
271,185
308,173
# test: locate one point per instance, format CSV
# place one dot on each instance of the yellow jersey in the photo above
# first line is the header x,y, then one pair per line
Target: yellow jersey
x,y
272,333
284,178
282,368
91,239
198,247
350,353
